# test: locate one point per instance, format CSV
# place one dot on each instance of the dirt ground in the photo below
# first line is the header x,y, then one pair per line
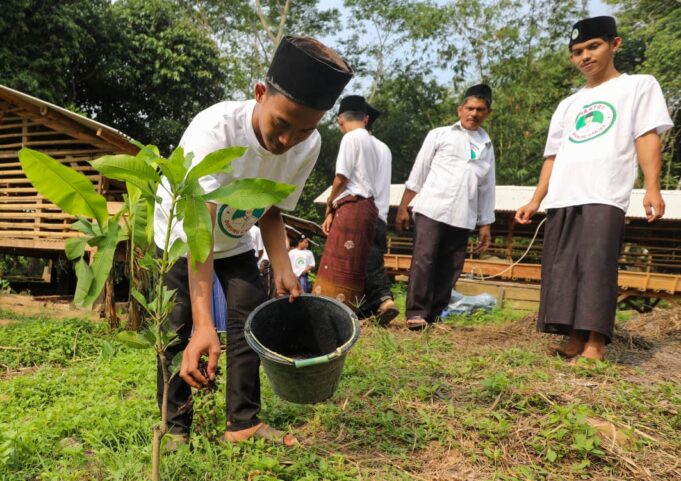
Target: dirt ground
x,y
56,307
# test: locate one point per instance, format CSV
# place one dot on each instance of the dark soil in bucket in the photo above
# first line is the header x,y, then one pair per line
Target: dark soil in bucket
x,y
303,329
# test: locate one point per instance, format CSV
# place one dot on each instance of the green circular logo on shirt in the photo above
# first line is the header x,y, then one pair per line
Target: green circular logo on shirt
x,y
235,222
593,121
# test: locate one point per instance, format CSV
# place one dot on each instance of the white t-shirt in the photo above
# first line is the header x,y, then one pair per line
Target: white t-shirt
x,y
592,135
358,162
228,124
256,237
300,260
383,176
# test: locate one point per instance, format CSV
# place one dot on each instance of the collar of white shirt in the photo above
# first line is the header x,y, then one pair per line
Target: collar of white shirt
x,y
483,133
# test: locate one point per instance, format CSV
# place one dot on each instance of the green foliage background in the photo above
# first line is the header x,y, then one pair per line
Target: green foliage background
x,y
147,67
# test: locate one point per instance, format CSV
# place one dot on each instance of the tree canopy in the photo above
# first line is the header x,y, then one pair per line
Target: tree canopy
x,y
147,67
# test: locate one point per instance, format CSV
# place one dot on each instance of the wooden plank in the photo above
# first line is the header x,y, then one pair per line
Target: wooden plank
x,y
56,153
78,168
38,133
38,214
31,243
31,234
35,144
24,180
27,206
521,305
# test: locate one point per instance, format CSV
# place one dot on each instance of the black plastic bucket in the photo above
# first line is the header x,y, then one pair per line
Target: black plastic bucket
x,y
302,345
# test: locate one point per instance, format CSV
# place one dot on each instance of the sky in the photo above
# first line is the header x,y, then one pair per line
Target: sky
x,y
596,7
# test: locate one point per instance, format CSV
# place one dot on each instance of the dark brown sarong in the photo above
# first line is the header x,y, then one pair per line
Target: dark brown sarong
x,y
344,261
579,269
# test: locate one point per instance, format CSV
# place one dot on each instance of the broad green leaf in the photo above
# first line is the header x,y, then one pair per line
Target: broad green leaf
x,y
133,339
151,335
177,250
134,193
75,247
148,153
247,194
64,187
86,227
103,260
198,226
173,167
176,364
128,169
139,297
215,162
85,278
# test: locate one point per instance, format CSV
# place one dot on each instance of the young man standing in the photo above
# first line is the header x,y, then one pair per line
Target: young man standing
x,y
351,211
302,262
378,297
304,80
595,138
453,182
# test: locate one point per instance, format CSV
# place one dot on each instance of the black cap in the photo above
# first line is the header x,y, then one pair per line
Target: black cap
x,y
352,103
595,27
480,90
305,75
300,239
373,114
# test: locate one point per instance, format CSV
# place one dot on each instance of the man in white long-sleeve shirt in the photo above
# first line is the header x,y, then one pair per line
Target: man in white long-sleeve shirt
x,y
453,182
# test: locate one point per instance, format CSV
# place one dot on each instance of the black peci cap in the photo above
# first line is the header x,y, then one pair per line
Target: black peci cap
x,y
304,70
595,27
353,103
373,114
480,90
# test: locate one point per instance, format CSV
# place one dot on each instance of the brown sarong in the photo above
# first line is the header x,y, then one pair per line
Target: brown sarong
x,y
343,264
579,269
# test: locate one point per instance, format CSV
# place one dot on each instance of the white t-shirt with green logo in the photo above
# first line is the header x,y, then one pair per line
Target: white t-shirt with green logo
x,y
229,124
300,259
592,135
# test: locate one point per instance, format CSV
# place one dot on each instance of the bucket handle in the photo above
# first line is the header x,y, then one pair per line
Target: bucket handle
x,y
313,361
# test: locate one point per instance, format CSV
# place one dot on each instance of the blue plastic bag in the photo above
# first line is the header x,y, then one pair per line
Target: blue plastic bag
x,y
460,304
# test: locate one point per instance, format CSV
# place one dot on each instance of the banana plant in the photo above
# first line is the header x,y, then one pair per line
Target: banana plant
x,y
101,232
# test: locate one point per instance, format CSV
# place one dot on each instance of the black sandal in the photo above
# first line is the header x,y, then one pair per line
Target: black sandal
x,y
416,324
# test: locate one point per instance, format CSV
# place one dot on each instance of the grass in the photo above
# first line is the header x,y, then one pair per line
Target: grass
x,y
472,399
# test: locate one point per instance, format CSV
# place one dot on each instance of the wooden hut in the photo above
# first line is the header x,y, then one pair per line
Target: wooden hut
x,y
29,224
650,263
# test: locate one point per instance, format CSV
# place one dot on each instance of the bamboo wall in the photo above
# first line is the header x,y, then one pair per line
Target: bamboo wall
x,y
27,220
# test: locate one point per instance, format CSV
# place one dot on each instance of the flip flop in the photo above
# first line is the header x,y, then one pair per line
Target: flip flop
x,y
383,318
262,431
417,324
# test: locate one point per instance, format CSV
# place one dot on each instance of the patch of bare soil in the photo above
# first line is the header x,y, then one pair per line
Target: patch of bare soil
x,y
652,342
58,307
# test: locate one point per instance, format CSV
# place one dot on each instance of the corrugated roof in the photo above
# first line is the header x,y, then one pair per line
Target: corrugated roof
x,y
84,121
511,197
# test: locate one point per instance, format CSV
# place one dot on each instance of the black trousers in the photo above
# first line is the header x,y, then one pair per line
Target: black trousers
x,y
436,264
243,289
377,284
579,269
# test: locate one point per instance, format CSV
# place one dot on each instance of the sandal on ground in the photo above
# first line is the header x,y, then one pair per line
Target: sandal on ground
x,y
387,313
416,323
261,431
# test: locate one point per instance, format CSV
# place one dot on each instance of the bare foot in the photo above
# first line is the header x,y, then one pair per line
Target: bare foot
x,y
596,352
574,347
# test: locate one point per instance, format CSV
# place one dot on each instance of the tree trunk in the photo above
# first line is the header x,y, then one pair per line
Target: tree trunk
x,y
110,304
